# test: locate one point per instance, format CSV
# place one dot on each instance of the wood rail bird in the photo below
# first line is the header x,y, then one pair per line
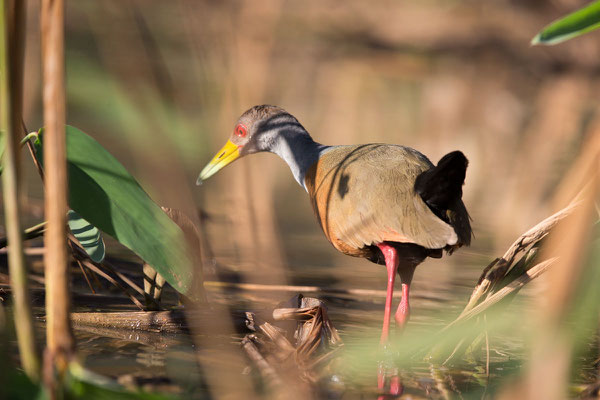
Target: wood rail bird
x,y
387,203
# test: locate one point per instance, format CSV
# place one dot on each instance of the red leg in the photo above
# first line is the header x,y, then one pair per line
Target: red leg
x,y
406,271
403,313
391,263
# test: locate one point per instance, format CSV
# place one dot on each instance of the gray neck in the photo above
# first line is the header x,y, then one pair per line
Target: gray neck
x,y
294,145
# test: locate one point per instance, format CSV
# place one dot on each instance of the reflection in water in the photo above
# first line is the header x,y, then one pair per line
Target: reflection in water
x,y
167,362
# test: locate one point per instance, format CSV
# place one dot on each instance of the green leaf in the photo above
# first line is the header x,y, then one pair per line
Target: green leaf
x,y
105,194
81,383
88,235
577,23
19,387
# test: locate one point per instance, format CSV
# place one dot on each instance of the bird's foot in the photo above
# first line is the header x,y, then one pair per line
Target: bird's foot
x,y
388,383
388,380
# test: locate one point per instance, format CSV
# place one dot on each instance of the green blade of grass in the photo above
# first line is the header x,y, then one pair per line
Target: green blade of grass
x,y
584,20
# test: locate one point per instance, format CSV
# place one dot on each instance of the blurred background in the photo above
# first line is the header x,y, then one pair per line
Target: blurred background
x,y
161,84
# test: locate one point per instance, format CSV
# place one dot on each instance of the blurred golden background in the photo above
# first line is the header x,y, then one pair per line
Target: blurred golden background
x,y
160,85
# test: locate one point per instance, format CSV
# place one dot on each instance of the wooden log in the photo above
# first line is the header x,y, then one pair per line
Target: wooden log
x,y
156,321
174,321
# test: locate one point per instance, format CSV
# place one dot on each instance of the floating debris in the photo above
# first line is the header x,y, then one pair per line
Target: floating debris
x,y
299,357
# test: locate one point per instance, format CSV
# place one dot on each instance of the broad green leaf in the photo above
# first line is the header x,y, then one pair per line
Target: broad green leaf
x,y
105,194
88,235
577,23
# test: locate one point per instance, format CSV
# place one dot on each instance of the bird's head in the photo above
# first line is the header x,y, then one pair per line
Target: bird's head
x,y
255,130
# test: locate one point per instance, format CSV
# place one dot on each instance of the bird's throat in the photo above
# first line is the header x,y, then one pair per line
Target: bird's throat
x,y
299,151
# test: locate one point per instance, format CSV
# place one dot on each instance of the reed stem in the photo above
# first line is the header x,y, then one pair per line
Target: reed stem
x,y
60,342
11,97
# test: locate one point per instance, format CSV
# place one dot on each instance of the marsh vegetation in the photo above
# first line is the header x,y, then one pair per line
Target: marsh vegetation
x,y
150,90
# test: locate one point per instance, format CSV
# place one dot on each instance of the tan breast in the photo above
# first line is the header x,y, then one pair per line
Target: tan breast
x,y
363,195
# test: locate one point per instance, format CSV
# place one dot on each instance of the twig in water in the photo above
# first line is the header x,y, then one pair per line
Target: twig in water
x,y
85,276
263,366
109,278
124,278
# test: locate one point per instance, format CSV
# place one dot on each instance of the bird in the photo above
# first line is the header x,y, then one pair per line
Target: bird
x,y
387,203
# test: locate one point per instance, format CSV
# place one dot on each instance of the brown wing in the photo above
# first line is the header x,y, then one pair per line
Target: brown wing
x,y
364,195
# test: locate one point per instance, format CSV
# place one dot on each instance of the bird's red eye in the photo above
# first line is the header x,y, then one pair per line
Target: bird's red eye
x,y
241,130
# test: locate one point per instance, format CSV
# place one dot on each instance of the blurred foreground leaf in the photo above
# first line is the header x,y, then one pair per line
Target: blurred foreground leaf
x,y
88,235
82,383
20,387
105,194
78,384
577,23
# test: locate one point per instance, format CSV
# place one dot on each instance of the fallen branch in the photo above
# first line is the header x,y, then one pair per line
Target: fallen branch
x,y
174,321
517,284
498,269
503,277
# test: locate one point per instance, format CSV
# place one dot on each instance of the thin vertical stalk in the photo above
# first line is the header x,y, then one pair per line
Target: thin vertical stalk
x,y
60,342
11,98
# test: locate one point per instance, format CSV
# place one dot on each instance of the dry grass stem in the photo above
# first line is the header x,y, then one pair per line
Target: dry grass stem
x,y
121,276
89,264
87,280
498,269
517,284
81,256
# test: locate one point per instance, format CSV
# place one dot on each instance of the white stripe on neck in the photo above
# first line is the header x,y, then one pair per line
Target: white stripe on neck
x,y
297,149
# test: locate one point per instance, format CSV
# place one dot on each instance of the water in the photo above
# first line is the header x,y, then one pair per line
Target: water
x,y
169,362
440,291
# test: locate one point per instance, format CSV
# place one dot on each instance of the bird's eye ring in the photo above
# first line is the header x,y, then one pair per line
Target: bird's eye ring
x,y
241,130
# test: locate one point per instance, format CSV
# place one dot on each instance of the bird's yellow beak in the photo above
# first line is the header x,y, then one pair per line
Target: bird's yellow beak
x,y
229,153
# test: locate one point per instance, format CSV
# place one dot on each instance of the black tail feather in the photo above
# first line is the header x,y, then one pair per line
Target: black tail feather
x,y
441,189
441,185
